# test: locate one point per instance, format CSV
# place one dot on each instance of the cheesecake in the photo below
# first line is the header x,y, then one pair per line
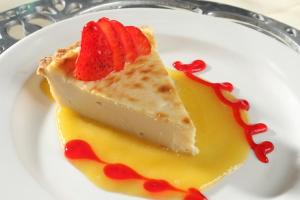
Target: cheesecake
x,y
134,94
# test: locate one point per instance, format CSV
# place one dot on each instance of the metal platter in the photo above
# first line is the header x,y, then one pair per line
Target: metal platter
x,y
28,18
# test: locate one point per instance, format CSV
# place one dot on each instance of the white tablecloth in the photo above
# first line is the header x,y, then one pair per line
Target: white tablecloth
x,y
287,11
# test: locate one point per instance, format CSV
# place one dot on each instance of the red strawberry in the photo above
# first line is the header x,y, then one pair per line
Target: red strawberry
x,y
126,40
140,41
95,59
114,42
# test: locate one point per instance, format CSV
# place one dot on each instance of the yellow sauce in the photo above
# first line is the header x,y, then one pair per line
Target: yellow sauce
x,y
220,139
44,86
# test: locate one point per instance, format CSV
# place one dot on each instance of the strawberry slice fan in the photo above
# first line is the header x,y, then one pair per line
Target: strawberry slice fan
x,y
106,46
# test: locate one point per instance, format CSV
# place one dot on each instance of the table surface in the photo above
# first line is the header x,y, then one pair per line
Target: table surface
x,y
287,11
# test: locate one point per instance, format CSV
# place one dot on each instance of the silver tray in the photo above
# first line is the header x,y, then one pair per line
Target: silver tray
x,y
31,17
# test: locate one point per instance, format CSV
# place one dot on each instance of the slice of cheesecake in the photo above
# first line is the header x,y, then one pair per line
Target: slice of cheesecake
x,y
140,98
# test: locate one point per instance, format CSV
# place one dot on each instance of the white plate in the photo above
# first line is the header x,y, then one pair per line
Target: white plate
x,y
263,70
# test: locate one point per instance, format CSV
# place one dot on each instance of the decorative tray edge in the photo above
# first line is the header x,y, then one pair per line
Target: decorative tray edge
x,y
31,17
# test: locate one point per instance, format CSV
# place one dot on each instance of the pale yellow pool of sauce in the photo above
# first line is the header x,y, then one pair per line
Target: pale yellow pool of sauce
x,y
220,139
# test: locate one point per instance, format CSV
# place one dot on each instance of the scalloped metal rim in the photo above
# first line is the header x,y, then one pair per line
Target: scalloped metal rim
x,y
57,10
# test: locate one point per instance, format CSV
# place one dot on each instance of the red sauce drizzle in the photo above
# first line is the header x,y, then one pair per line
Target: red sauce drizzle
x,y
260,149
195,66
79,149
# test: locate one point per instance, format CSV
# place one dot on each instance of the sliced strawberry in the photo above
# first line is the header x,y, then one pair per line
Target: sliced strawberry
x,y
126,40
95,59
140,41
114,42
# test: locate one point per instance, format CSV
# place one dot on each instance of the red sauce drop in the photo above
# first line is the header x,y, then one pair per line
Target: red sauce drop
x,y
194,194
261,149
226,86
120,172
155,186
79,149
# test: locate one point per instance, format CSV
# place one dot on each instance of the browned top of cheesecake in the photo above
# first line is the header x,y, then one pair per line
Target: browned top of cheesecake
x,y
143,84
